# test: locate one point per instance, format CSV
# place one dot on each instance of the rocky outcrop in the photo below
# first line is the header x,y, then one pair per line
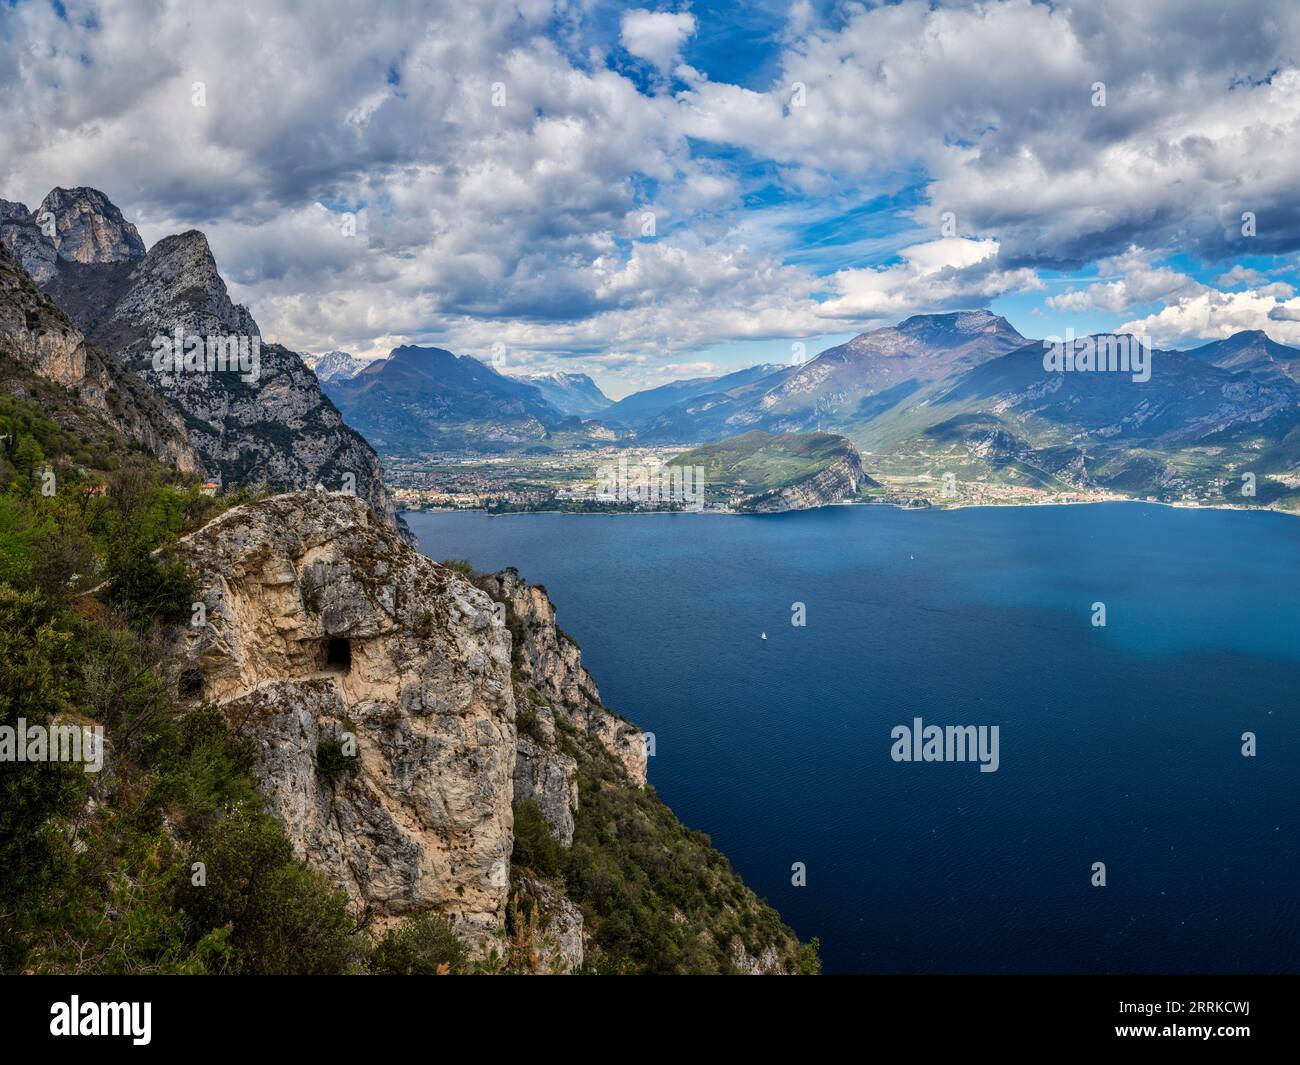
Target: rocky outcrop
x,y
34,332
550,927
837,481
24,237
544,773
398,713
38,336
71,225
550,664
376,687
272,427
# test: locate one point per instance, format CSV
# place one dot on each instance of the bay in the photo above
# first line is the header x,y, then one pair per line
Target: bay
x,y
1119,744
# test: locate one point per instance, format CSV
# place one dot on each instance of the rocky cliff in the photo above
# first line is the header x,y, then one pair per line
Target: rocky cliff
x,y
402,711
323,630
551,663
272,427
838,481
38,337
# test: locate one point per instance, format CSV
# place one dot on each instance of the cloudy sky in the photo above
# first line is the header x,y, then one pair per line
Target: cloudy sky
x,y
651,192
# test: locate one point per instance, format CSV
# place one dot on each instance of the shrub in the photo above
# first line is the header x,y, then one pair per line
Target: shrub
x,y
536,848
332,762
420,946
283,917
147,588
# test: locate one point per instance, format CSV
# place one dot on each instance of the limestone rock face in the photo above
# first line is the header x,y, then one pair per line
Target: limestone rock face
x,y
71,225
88,228
840,480
323,624
552,664
32,330
557,945
36,333
19,230
274,428
548,777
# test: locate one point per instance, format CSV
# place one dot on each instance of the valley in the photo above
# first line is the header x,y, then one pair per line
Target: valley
x,y
942,409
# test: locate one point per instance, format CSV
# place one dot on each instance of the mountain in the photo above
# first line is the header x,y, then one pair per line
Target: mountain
x,y
334,365
641,408
1252,350
44,356
849,384
1190,422
922,348
428,399
762,473
381,763
570,393
71,225
270,427
839,390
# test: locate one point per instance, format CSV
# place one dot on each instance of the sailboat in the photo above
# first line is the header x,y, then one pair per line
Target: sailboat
x,y
765,636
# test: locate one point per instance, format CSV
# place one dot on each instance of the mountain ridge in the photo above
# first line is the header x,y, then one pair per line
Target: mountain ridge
x,y
278,431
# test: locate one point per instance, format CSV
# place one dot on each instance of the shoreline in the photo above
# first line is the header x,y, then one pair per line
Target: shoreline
x,y
857,503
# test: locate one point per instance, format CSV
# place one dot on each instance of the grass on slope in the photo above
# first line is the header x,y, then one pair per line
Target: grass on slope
x,y
765,462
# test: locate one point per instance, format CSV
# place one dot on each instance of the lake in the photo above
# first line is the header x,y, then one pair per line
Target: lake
x,y
1118,744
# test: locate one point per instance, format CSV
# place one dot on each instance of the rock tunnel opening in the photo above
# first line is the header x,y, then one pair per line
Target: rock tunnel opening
x,y
190,685
338,654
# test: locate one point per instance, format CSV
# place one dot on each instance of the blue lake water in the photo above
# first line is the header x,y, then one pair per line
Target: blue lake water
x,y
1119,744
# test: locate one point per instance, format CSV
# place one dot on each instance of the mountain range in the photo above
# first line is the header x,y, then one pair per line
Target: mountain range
x,y
964,391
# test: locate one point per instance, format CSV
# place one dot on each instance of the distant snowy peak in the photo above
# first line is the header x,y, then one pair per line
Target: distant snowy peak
x,y
334,365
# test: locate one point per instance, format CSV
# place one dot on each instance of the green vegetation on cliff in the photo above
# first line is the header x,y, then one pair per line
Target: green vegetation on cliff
x,y
166,861
757,465
656,897
97,870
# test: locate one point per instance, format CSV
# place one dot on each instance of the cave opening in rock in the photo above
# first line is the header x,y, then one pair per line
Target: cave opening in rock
x,y
191,683
339,654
